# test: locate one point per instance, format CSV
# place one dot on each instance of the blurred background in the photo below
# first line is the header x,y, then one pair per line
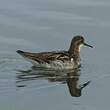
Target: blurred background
x,y
48,25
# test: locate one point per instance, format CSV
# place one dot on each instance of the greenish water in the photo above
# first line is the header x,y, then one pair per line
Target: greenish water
x,y
46,25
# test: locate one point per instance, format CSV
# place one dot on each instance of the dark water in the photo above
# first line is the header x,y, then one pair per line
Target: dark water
x,y
47,25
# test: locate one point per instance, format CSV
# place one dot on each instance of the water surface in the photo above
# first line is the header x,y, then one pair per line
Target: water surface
x,y
47,25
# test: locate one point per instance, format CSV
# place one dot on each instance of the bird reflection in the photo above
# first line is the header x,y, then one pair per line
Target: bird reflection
x,y
71,78
73,84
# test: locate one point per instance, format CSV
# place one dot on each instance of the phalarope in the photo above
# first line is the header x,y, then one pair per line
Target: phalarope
x,y
58,59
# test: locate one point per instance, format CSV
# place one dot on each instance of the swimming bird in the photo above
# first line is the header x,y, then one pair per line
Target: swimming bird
x,y
69,59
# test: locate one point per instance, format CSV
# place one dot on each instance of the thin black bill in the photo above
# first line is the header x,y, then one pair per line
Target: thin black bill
x,y
88,45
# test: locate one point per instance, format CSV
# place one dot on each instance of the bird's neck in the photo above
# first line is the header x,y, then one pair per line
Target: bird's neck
x,y
74,53
74,50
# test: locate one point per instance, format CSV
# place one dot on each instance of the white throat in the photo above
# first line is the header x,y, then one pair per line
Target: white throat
x,y
80,47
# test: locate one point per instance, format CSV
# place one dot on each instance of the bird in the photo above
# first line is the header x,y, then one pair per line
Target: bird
x,y
69,59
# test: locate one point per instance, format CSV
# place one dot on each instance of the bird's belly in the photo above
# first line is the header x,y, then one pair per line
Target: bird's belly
x,y
57,64
62,65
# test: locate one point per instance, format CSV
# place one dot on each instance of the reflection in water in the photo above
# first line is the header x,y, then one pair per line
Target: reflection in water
x,y
69,77
73,84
